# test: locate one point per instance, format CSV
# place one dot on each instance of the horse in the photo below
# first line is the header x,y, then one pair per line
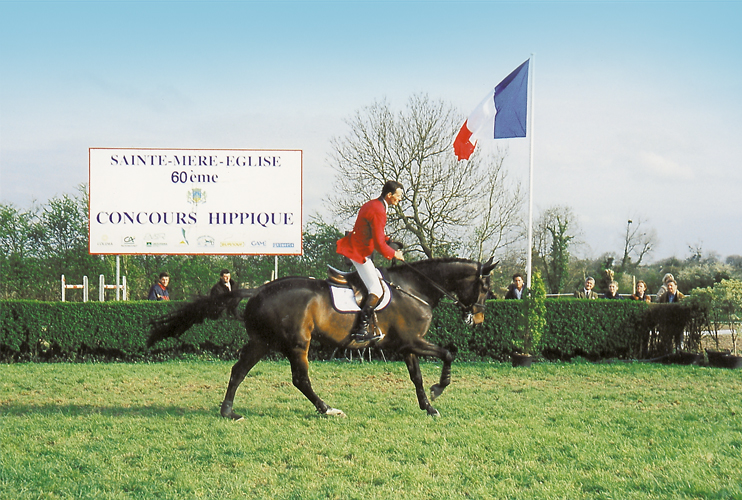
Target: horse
x,y
286,314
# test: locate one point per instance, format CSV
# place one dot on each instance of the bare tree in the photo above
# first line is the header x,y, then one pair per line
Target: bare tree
x,y
444,199
555,229
500,223
639,242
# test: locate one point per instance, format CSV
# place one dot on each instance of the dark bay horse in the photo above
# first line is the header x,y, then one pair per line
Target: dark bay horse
x,y
284,315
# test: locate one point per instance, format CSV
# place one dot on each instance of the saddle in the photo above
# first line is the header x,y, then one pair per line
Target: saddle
x,y
347,290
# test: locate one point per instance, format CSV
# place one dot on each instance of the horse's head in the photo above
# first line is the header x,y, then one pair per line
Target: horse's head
x,y
463,281
472,297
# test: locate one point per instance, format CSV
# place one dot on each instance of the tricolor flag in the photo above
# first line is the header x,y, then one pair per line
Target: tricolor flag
x,y
501,115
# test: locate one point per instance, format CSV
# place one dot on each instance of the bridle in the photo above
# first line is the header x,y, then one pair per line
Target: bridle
x,y
467,310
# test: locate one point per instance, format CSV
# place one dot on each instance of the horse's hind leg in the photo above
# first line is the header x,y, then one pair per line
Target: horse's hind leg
x,y
249,356
300,378
413,366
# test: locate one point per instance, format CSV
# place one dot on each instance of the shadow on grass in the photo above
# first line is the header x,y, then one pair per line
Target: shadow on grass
x,y
73,410
147,411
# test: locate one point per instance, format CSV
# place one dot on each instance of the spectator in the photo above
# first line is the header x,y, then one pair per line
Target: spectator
x,y
672,294
663,289
225,284
158,291
612,293
641,292
516,288
587,291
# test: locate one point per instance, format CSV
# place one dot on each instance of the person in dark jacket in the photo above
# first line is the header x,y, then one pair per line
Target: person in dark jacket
x,y
672,294
225,284
158,291
612,292
516,288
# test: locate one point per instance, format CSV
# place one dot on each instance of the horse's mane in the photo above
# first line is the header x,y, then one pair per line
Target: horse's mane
x,y
427,263
442,260
437,261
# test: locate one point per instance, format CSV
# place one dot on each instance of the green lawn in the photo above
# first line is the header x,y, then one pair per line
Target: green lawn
x,y
572,431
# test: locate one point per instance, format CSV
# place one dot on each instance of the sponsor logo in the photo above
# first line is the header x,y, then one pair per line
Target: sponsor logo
x,y
128,241
231,243
184,241
258,244
205,241
104,241
156,244
283,245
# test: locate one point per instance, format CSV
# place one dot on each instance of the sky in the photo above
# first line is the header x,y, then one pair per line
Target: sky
x,y
637,105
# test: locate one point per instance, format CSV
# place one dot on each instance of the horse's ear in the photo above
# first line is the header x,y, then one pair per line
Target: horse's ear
x,y
488,266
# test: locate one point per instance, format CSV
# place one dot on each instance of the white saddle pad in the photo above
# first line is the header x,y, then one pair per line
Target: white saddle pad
x,y
345,301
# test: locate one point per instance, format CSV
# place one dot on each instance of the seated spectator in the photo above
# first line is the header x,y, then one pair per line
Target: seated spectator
x,y
225,284
516,288
672,294
158,291
587,291
663,289
641,292
612,292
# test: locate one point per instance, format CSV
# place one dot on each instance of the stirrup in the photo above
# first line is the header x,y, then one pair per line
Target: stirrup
x,y
368,333
367,336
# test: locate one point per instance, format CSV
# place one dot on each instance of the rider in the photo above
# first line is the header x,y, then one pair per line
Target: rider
x,y
368,235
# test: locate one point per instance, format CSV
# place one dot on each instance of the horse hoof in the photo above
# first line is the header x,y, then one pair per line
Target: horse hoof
x,y
334,412
435,391
432,412
226,412
234,416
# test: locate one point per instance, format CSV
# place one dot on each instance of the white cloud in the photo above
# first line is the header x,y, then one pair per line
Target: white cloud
x,y
664,167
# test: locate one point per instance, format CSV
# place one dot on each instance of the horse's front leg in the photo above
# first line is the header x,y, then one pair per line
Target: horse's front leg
x,y
413,366
300,379
425,348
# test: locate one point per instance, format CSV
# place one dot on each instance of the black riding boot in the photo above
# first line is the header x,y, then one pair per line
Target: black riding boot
x,y
364,330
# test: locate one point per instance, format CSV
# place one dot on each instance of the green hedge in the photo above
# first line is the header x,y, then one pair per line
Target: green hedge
x,y
31,330
595,328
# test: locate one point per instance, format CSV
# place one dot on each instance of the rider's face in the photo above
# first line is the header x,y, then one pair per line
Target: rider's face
x,y
395,197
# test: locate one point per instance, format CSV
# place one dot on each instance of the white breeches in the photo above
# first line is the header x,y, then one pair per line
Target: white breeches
x,y
367,272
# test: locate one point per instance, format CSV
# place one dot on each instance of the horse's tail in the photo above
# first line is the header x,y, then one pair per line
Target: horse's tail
x,y
179,321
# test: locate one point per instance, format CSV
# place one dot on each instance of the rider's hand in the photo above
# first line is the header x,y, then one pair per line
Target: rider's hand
x,y
398,255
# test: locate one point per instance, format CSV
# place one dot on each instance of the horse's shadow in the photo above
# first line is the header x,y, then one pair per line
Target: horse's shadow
x,y
11,410
75,410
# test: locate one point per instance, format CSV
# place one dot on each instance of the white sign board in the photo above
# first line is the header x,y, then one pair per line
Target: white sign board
x,y
186,201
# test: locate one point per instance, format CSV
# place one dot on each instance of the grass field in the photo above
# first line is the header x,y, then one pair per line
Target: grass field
x,y
572,431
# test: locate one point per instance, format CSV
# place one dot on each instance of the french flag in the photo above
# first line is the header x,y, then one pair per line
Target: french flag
x,y
501,115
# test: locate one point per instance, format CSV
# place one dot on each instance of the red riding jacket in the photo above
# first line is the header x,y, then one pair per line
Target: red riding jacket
x,y
368,234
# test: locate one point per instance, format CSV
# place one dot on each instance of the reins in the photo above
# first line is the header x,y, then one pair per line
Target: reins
x,y
437,287
400,289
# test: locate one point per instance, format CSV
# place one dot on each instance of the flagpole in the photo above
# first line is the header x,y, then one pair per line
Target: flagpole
x,y
529,259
